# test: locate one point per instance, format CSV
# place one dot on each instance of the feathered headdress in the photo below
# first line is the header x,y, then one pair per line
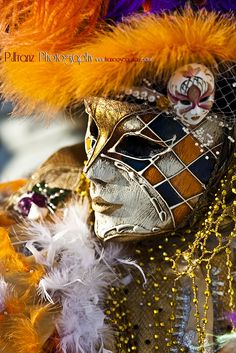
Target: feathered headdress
x,y
54,53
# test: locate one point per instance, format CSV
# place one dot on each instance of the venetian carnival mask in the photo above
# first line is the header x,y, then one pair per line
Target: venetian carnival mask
x,y
191,93
147,168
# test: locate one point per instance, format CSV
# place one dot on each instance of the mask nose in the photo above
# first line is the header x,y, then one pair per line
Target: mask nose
x,y
101,171
197,112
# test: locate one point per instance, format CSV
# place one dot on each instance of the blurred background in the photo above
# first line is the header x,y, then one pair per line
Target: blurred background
x,y
27,142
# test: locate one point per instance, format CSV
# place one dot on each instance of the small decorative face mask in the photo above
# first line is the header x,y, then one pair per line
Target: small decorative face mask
x,y
191,93
147,169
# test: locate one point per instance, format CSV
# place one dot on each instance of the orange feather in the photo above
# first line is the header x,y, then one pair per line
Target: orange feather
x,y
49,24
12,186
168,41
10,260
22,336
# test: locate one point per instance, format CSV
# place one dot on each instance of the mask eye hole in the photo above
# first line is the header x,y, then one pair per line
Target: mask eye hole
x,y
185,102
205,99
91,136
139,147
93,130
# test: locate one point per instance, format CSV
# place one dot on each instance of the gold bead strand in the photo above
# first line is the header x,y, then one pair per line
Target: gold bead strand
x,y
230,277
206,304
197,313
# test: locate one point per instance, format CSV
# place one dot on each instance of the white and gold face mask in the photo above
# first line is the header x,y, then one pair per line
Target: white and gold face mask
x,y
147,168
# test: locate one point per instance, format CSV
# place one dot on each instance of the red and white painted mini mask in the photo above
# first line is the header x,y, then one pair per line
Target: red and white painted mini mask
x,y
191,92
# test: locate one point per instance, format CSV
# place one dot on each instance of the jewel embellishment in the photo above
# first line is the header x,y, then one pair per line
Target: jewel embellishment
x,y
41,200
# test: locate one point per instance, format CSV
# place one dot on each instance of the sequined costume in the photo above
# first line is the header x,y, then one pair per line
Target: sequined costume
x,y
128,244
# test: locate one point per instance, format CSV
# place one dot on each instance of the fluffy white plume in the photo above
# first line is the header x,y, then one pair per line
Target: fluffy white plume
x,y
79,272
60,235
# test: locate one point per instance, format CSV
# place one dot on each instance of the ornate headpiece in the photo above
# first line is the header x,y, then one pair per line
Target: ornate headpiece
x,y
56,54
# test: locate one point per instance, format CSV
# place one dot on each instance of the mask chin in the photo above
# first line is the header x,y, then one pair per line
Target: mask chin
x,y
194,118
125,236
126,231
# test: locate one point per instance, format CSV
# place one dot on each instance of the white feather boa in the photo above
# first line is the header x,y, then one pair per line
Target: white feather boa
x,y
79,272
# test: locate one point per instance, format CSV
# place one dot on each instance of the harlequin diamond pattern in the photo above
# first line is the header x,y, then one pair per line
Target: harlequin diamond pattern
x,y
189,166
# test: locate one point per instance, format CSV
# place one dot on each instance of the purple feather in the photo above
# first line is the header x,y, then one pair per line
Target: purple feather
x,y
122,8
119,9
211,5
221,5
166,5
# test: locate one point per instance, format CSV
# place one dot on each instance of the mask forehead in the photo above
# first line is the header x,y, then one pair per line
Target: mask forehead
x,y
106,114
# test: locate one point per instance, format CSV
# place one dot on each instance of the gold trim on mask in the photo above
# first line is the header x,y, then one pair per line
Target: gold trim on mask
x,y
106,113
